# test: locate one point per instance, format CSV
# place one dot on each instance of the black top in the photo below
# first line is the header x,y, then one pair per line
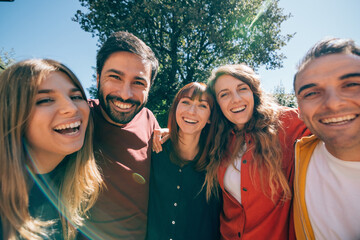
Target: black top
x,y
43,199
177,205
45,187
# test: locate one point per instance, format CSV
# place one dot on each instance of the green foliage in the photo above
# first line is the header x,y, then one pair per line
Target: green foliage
x,y
192,37
284,99
93,89
6,59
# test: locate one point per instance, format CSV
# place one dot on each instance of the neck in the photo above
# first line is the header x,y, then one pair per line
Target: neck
x,y
346,154
188,146
43,163
107,118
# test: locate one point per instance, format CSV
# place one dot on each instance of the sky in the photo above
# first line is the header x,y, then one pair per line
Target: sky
x,y
44,29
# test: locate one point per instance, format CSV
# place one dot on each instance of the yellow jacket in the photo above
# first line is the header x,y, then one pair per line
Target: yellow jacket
x,y
304,148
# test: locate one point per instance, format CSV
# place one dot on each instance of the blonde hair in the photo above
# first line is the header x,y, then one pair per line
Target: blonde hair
x,y
262,128
81,181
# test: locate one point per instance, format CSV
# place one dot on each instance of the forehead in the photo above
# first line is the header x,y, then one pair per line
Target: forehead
x,y
226,81
326,68
56,80
127,61
195,94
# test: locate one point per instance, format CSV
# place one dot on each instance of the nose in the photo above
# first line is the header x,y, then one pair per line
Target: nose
x,y
125,91
333,99
192,108
236,97
68,107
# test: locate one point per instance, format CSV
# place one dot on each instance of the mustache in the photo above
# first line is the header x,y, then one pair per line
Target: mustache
x,y
130,101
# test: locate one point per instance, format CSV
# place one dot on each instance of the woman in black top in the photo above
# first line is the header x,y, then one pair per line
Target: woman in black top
x,y
48,175
177,204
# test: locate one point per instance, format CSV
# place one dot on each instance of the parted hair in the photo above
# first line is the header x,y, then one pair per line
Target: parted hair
x,y
80,181
194,90
126,42
263,130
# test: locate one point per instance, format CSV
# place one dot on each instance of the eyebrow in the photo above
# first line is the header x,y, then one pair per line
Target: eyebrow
x,y
123,74
200,100
306,87
350,75
226,89
52,91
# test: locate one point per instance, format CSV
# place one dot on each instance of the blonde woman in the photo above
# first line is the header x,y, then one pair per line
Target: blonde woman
x,y
49,178
252,158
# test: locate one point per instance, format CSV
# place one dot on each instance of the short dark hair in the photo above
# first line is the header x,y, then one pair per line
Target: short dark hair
x,y
126,42
325,47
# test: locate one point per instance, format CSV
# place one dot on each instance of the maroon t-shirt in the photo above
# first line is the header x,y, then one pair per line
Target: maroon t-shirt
x,y
123,153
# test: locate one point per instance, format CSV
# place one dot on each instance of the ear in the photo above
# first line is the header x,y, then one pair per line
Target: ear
x,y
208,121
299,114
97,80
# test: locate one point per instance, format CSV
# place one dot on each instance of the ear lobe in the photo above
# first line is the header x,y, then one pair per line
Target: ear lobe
x,y
299,115
208,121
97,80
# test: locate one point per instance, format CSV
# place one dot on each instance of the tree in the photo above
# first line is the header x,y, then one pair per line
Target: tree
x,y
191,37
6,59
283,98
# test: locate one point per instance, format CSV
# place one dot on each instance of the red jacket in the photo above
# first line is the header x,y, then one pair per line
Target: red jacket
x,y
257,217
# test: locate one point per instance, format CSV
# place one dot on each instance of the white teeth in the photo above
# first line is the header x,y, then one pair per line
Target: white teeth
x,y
190,120
338,119
235,110
68,125
122,105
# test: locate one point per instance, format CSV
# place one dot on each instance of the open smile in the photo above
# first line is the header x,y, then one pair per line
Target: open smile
x,y
339,120
123,106
190,121
238,109
68,129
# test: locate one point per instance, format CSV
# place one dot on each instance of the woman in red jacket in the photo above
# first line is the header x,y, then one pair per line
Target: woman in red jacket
x,y
252,158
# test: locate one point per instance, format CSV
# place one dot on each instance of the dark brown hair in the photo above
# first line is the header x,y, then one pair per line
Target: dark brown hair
x,y
194,90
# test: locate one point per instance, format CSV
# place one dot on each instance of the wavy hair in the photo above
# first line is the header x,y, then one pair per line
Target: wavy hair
x,y
194,90
263,130
81,181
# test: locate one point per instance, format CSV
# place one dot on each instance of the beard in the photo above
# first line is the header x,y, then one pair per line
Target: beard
x,y
115,115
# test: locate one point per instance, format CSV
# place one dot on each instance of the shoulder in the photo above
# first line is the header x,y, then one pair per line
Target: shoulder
x,y
288,114
146,117
293,127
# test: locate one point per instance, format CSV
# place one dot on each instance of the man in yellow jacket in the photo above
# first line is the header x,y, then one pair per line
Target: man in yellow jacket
x,y
327,164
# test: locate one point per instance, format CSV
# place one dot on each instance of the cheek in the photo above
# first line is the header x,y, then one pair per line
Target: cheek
x,y
222,105
206,114
177,114
85,111
34,131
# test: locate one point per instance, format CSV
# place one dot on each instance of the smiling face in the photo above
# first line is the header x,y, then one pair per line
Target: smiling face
x,y
235,99
328,94
58,120
192,114
123,87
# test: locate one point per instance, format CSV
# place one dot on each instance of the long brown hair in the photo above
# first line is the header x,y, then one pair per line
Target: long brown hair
x,y
262,128
194,90
81,181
